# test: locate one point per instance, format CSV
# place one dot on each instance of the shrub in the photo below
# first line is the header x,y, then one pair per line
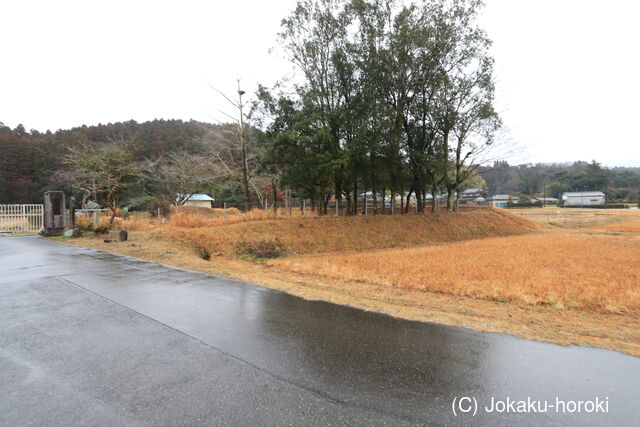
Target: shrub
x,y
265,248
101,228
166,208
123,213
232,211
203,244
84,223
203,251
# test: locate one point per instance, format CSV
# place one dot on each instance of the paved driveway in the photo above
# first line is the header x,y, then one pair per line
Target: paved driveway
x,y
88,337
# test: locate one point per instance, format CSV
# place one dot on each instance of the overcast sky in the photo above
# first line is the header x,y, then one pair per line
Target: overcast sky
x,y
567,71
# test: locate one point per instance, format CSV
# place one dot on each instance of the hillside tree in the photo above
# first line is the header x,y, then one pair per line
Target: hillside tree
x,y
110,169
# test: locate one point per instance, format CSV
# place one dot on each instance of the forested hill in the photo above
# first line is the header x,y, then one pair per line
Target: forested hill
x,y
554,179
29,159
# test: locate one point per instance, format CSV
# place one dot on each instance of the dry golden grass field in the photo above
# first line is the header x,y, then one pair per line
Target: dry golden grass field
x,y
577,218
484,269
585,272
625,227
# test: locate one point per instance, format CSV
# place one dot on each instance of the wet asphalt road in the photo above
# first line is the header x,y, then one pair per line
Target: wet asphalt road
x,y
91,338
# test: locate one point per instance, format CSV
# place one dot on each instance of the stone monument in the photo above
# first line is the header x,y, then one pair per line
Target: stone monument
x,y
53,221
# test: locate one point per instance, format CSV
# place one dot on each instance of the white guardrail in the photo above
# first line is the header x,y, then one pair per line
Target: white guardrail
x,y
21,218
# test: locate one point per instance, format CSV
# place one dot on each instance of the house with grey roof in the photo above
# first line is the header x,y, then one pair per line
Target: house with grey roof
x,y
473,197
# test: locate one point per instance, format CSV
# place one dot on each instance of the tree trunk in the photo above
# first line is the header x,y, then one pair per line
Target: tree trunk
x,y
113,214
355,199
364,203
85,197
275,197
435,207
450,196
325,206
457,199
111,204
348,207
408,200
446,177
338,192
419,201
245,184
375,201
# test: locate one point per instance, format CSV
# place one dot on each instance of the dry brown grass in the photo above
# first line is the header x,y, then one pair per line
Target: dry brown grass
x,y
303,235
574,271
576,218
139,222
626,227
85,223
207,212
195,217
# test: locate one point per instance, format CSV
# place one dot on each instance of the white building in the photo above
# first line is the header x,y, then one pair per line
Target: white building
x,y
200,200
583,199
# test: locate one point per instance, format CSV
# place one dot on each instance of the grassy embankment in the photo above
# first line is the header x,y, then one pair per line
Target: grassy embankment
x,y
486,269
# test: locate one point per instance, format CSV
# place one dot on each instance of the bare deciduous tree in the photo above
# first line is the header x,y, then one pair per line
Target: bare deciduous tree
x,y
176,177
70,181
233,148
109,169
